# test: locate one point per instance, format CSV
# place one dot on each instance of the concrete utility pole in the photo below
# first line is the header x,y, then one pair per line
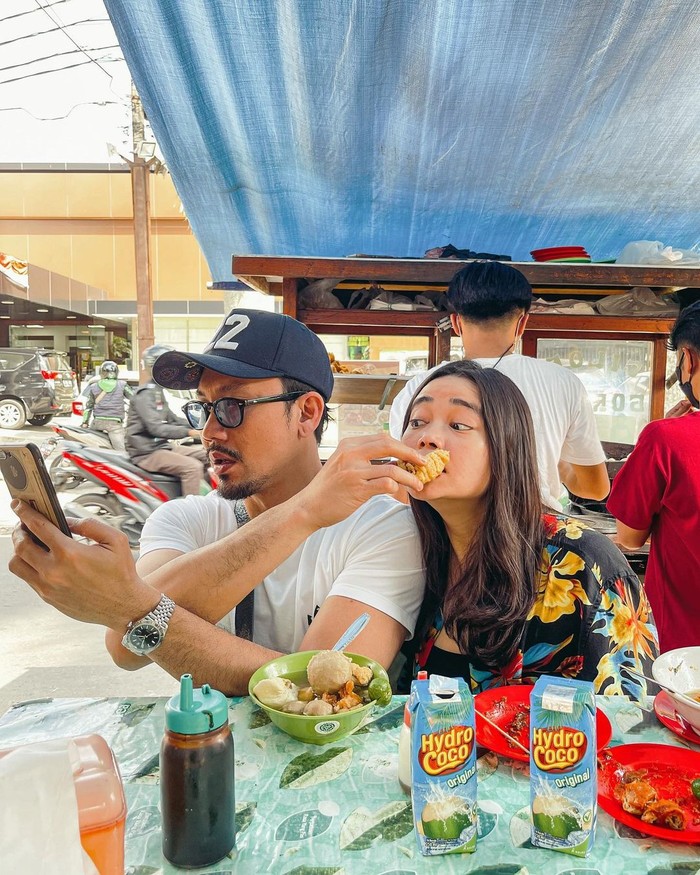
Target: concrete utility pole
x,y
140,181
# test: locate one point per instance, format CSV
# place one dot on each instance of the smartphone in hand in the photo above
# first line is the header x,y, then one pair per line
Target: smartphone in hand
x,y
26,477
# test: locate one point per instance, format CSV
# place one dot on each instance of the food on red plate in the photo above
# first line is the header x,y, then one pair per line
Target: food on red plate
x,y
516,722
633,794
660,793
519,726
665,813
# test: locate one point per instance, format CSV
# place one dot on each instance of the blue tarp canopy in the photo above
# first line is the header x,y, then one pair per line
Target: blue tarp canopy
x,y
387,127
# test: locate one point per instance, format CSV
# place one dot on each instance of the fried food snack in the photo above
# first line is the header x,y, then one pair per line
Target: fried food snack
x,y
433,465
666,813
336,366
635,796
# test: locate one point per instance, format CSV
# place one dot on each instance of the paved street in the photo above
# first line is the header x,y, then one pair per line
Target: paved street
x,y
43,653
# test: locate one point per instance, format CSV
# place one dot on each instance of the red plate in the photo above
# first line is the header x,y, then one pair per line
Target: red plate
x,y
562,256
671,719
675,767
516,696
556,250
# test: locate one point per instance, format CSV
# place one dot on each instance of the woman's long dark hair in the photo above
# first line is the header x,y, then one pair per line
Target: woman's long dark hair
x,y
484,609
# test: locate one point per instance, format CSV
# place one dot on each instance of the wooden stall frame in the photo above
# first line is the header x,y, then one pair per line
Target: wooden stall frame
x,y
283,275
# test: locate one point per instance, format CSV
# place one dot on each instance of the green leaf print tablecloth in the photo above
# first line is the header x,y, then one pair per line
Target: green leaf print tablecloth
x,y
338,810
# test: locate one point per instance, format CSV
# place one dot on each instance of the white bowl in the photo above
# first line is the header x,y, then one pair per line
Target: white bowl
x,y
680,670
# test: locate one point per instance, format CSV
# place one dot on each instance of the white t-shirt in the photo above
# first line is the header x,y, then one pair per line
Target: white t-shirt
x,y
373,556
561,412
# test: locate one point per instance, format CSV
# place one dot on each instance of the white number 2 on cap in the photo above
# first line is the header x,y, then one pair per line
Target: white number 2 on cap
x,y
238,323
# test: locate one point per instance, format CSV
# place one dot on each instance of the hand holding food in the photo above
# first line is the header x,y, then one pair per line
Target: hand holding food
x,y
359,469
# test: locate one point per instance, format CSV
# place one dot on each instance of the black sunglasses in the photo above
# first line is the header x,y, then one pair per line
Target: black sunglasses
x,y
228,411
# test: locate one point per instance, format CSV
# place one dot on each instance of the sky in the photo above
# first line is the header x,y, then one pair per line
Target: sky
x,y
64,85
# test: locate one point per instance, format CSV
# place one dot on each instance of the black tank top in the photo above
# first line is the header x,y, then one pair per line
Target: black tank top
x,y
448,664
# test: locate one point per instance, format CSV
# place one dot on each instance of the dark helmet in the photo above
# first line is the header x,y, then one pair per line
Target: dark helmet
x,y
109,369
151,353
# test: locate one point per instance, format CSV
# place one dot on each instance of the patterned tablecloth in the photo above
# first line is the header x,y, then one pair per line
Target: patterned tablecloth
x,y
338,809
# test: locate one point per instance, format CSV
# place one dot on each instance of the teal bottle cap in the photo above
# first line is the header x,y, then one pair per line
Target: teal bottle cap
x,y
193,711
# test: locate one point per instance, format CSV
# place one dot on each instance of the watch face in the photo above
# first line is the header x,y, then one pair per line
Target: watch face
x,y
145,637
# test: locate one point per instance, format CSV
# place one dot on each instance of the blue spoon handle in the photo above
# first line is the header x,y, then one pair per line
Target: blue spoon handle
x,y
351,632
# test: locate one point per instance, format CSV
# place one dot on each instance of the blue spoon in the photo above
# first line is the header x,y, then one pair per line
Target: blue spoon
x,y
351,632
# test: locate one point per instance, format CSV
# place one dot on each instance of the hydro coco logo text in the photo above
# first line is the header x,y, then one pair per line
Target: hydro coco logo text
x,y
558,750
442,753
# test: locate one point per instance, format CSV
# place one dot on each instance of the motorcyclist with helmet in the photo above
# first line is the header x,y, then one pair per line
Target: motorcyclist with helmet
x,y
105,402
151,426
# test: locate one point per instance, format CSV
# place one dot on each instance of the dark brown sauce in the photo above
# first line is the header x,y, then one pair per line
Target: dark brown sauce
x,y
197,797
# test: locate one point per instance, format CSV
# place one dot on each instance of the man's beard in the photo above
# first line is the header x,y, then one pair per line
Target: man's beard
x,y
237,491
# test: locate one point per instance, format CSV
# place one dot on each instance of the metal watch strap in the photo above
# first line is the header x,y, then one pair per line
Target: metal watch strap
x,y
159,616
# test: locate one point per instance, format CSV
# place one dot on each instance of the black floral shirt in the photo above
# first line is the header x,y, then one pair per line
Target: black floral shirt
x,y
591,620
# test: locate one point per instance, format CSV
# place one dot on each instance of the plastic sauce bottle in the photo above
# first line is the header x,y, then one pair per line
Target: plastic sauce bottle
x,y
405,742
197,799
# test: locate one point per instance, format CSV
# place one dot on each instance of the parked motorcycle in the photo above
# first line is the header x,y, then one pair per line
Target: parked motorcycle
x,y
125,496
64,475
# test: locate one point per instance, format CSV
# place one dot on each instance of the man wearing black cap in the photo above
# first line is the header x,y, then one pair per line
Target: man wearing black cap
x,y
317,547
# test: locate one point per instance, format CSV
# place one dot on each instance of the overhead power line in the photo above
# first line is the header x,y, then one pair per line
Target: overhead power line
x,y
82,49
66,67
53,29
54,118
30,11
57,55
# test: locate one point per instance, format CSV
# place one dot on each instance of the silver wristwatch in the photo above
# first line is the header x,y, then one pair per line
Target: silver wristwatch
x,y
144,635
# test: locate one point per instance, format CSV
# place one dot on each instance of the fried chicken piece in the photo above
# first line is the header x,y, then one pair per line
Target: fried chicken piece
x,y
666,813
334,699
433,465
635,796
362,674
347,703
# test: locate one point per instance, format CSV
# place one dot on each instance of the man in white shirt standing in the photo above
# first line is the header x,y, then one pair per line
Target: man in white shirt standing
x,y
490,303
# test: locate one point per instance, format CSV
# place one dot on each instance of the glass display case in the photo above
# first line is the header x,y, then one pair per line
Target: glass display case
x,y
617,378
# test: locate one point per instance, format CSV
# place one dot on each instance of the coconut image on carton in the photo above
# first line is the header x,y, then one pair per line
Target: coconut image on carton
x,y
555,816
446,818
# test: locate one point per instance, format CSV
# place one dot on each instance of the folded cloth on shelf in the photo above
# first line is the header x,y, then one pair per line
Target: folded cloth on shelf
x,y
640,301
391,301
318,295
451,251
566,305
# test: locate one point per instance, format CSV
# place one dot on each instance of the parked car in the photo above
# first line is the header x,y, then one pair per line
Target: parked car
x,y
35,385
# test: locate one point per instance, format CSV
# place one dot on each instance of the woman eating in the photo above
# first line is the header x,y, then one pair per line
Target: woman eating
x,y
512,592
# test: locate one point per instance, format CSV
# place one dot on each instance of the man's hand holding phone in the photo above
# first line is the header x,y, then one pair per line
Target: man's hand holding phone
x,y
95,583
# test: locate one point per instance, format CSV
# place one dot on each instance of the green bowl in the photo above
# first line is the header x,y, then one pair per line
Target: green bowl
x,y
312,730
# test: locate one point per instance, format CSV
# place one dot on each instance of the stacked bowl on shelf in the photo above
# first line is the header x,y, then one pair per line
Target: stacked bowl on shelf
x,y
561,253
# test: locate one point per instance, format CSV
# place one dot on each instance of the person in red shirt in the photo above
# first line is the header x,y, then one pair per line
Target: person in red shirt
x,y
657,493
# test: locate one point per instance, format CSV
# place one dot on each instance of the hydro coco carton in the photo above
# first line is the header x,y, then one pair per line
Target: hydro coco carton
x,y
563,777
443,777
